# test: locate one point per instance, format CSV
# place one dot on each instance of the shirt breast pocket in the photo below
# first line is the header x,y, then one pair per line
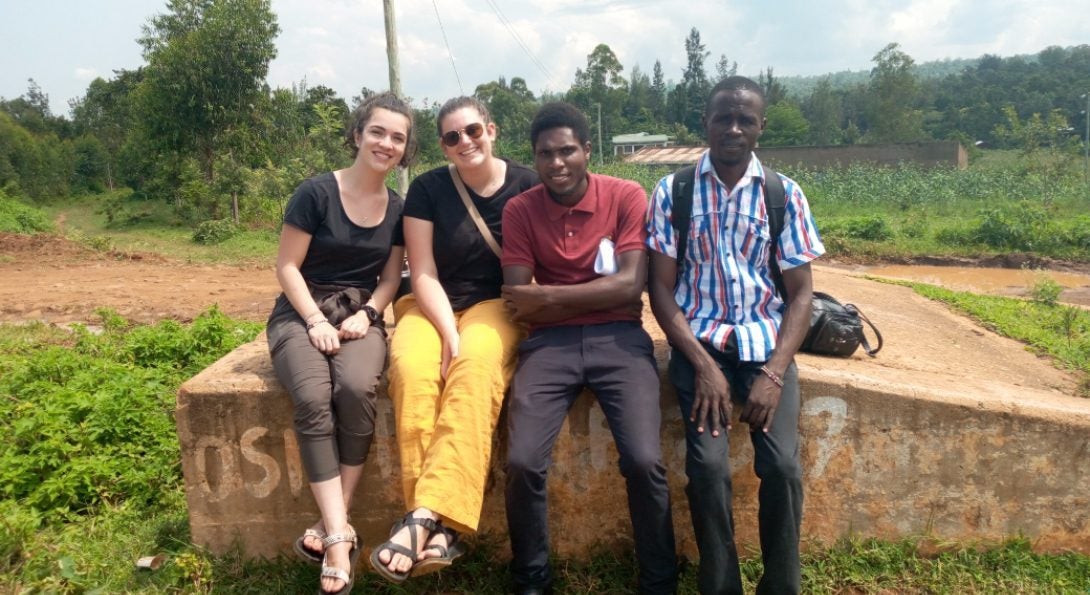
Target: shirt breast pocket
x,y
753,238
701,239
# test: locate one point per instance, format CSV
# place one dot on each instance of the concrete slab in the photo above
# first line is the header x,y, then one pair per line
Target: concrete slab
x,y
951,431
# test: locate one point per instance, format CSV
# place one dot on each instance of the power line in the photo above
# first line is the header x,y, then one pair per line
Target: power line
x,y
461,91
518,39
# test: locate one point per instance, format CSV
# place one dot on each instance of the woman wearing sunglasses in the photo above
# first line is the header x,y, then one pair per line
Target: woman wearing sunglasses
x,y
453,352
339,269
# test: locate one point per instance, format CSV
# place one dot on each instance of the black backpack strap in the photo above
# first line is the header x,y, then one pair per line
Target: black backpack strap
x,y
681,193
775,205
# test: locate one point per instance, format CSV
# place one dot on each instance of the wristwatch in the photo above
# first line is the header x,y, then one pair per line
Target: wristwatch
x,y
371,312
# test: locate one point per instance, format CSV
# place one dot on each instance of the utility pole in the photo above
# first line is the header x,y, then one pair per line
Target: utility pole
x,y
395,77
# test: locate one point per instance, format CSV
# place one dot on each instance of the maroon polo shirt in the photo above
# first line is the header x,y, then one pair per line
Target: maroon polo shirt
x,y
560,243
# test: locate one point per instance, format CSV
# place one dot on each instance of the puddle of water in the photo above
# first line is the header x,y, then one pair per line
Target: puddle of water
x,y
1016,282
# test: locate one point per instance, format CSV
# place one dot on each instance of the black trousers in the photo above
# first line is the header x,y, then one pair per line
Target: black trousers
x,y
776,463
616,361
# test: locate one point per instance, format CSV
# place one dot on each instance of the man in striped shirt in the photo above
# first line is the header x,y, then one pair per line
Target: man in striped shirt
x,y
734,338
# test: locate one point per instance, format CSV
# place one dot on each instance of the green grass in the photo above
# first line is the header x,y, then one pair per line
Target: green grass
x,y
1049,328
150,227
87,541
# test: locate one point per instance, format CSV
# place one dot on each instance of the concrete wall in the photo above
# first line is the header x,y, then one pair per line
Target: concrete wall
x,y
943,455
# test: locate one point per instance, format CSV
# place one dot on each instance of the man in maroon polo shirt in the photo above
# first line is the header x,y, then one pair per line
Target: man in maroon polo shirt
x,y
581,237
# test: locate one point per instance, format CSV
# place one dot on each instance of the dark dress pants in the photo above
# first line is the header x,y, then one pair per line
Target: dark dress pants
x,y
616,362
776,463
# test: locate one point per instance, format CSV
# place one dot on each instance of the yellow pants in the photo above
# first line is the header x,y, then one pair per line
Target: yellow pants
x,y
444,428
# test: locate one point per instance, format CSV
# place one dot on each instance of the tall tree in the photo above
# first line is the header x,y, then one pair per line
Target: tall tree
x,y
206,66
637,110
786,125
822,109
694,79
775,92
658,93
725,68
601,87
512,106
106,112
892,113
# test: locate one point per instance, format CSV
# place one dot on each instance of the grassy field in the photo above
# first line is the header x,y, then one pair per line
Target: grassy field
x,y
89,470
90,481
1000,205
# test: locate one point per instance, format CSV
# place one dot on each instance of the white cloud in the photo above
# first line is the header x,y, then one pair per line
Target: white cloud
x,y
85,74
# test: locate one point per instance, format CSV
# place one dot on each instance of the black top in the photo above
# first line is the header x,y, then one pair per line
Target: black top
x,y
341,252
468,269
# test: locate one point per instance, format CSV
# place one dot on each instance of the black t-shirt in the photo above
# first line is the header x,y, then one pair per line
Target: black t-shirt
x,y
341,252
468,269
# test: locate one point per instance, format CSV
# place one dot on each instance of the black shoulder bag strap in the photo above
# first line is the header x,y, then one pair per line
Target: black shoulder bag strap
x,y
775,204
682,195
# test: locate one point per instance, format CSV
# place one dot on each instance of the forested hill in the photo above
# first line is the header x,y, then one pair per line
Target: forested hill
x,y
198,127
800,87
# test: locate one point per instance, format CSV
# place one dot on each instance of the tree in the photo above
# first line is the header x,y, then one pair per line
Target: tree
x,y
694,81
822,109
637,109
207,61
601,86
775,92
892,115
106,112
512,106
31,111
786,126
658,93
725,68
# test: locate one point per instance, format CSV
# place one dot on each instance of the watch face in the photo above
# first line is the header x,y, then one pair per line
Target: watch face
x,y
372,314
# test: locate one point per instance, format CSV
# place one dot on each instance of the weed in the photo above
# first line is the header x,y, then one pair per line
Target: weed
x,y
215,231
1046,290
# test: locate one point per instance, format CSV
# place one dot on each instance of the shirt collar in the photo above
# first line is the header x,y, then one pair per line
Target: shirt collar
x,y
587,204
754,171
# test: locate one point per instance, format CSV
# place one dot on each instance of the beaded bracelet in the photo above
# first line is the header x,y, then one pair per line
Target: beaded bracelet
x,y
772,376
311,325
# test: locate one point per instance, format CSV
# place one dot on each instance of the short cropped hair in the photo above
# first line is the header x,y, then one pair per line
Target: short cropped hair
x,y
735,83
560,114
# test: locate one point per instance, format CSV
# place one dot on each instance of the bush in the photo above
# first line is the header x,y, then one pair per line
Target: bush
x,y
873,228
16,217
87,420
215,231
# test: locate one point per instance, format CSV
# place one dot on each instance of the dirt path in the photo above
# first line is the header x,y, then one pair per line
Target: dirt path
x,y
52,279
58,281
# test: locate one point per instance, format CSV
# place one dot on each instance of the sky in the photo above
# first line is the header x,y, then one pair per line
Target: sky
x,y
448,47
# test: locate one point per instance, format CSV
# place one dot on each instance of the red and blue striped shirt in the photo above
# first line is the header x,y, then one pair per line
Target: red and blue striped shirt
x,y
725,285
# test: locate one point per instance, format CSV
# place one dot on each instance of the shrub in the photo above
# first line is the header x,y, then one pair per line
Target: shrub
x,y
16,217
87,420
215,231
1046,291
872,228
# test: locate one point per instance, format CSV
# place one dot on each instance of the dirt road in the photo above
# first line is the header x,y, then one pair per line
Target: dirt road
x,y
54,280
58,281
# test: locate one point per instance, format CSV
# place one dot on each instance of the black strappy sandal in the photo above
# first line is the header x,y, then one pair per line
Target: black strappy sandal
x,y
447,555
411,522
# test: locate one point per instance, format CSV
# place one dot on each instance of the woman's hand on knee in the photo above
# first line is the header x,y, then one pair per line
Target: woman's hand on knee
x,y
324,338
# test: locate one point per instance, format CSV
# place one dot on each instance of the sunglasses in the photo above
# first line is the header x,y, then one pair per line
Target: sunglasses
x,y
474,131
